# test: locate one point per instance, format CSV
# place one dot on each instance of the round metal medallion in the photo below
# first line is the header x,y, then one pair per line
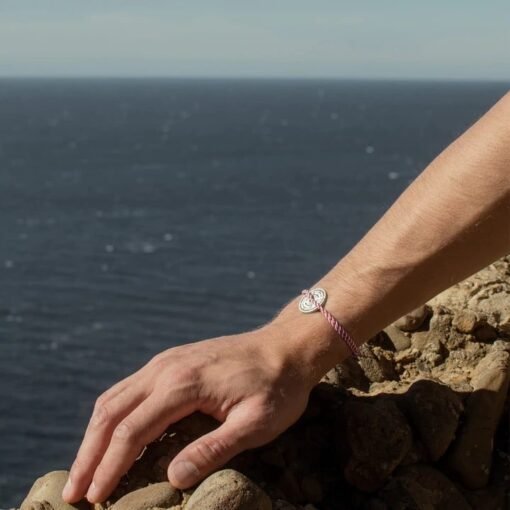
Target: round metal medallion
x,y
306,305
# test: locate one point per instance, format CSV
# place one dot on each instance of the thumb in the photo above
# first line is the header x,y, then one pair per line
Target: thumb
x,y
210,452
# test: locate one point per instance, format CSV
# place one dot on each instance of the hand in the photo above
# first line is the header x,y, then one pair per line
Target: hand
x,y
245,381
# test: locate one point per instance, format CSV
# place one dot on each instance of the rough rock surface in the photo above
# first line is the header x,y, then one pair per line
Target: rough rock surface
x,y
420,423
378,437
434,410
471,453
156,495
422,487
46,492
228,490
414,320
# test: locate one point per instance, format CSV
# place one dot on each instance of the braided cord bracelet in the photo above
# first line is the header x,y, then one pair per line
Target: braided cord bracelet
x,y
314,300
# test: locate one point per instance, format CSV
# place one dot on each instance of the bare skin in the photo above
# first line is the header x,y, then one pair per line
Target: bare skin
x,y
450,222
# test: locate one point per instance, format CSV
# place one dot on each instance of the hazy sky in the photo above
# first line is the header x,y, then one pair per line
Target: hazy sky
x,y
450,39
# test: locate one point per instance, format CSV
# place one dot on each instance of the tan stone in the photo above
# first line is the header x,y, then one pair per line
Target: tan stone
x,y
228,490
466,321
348,374
46,494
430,346
398,338
504,325
376,366
155,495
413,320
427,340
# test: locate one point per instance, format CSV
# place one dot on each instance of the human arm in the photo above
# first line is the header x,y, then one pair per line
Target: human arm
x,y
451,221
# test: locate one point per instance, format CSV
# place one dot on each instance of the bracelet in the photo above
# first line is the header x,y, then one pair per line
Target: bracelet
x,y
314,300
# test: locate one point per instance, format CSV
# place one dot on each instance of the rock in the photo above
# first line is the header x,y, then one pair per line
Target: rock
x,y
430,346
492,299
347,374
402,494
447,333
486,333
311,489
289,486
228,490
407,356
377,438
376,504
46,494
41,505
423,405
160,494
417,453
455,340
434,410
160,468
376,366
470,457
399,340
490,498
504,325
421,487
466,321
413,320
281,504
273,457
427,340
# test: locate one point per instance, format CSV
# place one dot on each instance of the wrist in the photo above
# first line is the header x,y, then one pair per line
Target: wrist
x,y
305,343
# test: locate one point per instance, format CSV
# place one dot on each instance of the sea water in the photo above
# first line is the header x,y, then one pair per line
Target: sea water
x,y
136,215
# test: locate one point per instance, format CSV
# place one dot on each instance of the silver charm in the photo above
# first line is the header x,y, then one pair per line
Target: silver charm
x,y
306,305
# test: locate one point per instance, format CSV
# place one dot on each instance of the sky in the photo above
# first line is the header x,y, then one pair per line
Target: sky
x,y
388,39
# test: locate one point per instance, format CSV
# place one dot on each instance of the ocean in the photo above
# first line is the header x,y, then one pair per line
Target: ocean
x,y
136,215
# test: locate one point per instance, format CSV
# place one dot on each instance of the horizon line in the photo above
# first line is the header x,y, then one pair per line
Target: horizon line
x,y
253,77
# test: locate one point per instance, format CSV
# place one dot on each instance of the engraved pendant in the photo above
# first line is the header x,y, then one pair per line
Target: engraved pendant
x,y
307,305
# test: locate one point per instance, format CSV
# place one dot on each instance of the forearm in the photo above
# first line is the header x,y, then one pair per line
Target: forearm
x,y
451,221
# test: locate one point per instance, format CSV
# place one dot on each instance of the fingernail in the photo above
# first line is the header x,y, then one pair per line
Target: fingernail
x,y
92,493
185,473
66,493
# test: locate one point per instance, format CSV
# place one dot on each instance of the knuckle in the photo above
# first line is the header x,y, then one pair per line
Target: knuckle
x,y
263,422
126,432
160,360
183,375
100,476
100,415
156,360
101,400
184,381
212,449
76,470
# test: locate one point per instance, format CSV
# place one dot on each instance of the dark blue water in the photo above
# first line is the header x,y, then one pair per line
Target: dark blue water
x,y
137,215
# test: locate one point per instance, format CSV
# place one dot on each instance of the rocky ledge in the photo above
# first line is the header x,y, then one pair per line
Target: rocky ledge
x,y
421,422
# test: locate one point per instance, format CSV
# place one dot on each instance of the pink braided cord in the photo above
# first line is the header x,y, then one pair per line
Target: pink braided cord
x,y
342,332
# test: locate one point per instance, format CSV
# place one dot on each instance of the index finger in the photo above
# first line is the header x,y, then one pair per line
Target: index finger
x,y
108,412
146,423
